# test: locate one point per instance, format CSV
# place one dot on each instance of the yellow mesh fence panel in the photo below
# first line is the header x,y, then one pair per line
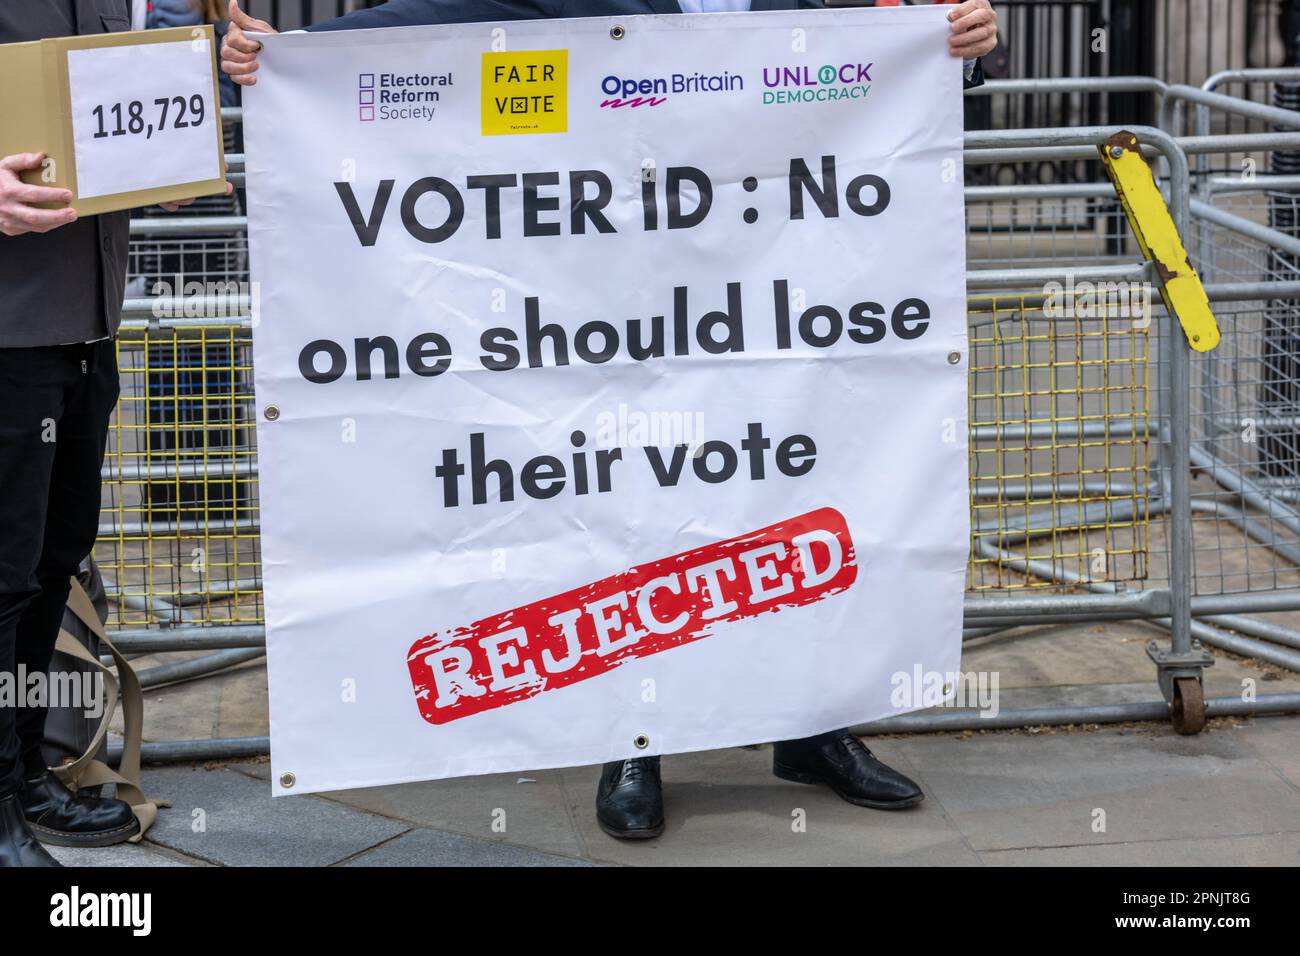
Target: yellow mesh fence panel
x,y
1060,441
178,538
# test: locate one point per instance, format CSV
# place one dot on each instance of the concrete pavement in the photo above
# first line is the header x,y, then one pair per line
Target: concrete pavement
x,y
1130,795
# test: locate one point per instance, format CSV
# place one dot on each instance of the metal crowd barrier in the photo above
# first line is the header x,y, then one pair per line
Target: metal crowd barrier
x,y
1114,474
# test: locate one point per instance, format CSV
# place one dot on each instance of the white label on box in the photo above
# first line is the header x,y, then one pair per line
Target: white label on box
x,y
143,116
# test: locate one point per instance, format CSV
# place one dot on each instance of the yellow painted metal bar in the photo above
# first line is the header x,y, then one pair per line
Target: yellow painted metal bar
x,y
1180,286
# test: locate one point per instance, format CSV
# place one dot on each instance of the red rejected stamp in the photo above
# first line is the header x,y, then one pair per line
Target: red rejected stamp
x,y
590,630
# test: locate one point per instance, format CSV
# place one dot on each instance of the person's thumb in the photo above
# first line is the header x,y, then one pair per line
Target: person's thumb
x,y
242,20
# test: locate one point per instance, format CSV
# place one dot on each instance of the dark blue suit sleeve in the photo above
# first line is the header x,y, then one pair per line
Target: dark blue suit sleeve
x,y
410,13
976,77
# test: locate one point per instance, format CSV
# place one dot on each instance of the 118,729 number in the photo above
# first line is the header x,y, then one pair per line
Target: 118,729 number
x,y
132,119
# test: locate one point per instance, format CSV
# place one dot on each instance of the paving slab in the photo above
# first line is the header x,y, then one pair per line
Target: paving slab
x,y
1092,695
231,703
1277,741
186,711
724,808
240,825
1267,849
1073,695
531,809
124,854
1065,654
1107,655
1228,795
523,808
424,847
1231,794
1011,791
244,708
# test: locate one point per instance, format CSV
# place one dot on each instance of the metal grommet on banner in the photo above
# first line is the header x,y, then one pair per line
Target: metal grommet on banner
x,y
641,741
616,32
287,780
954,358
272,412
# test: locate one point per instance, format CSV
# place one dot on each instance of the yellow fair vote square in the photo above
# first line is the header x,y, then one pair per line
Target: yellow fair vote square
x,y
525,91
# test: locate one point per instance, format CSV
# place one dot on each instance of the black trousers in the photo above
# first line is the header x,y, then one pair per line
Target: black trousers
x,y
55,404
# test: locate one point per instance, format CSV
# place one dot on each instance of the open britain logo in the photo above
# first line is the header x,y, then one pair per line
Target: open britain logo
x,y
623,91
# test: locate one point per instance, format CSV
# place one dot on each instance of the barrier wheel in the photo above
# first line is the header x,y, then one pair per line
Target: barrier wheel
x,y
1188,708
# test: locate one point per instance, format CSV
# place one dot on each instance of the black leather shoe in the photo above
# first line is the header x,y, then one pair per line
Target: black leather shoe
x,y
839,760
17,845
630,799
60,817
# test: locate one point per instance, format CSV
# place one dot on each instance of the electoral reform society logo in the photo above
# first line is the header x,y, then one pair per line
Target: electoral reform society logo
x,y
525,91
400,96
805,84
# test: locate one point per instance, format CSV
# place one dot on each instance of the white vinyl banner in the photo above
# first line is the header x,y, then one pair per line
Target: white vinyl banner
x,y
611,386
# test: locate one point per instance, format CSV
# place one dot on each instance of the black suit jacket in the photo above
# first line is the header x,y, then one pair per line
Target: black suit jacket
x,y
66,285
409,13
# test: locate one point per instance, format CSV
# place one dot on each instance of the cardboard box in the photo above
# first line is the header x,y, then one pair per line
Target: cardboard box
x,y
102,111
